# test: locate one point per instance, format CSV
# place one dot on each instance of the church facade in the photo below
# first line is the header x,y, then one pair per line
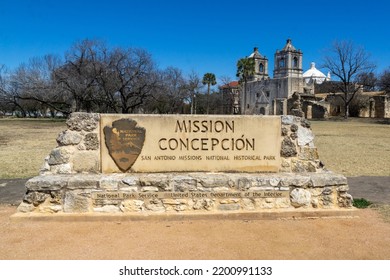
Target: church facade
x,y
278,95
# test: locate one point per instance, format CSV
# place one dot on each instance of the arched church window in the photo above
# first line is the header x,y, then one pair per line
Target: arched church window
x,y
261,67
282,63
295,62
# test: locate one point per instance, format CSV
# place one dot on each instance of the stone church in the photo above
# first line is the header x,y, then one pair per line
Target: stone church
x,y
282,93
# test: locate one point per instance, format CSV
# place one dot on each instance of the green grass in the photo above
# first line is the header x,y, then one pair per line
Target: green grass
x,y
361,203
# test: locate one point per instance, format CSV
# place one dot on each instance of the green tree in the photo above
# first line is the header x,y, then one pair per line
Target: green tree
x,y
209,80
245,70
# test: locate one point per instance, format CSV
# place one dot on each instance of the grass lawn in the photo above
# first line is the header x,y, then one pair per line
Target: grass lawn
x,y
353,148
356,147
24,143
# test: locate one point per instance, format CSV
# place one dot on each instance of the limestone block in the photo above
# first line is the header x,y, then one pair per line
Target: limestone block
x,y
247,204
83,121
107,209
59,155
229,207
170,201
84,181
229,201
343,188
327,200
183,183
305,136
220,189
274,181
132,206
75,202
157,180
284,131
61,168
45,166
299,166
345,200
47,182
294,127
296,180
328,179
327,191
130,181
155,205
69,137
244,184
213,180
180,207
49,208
282,202
288,119
126,188
293,136
25,207
300,197
35,198
262,203
305,123
86,161
149,189
109,183
204,204
315,203
307,153
288,148
91,141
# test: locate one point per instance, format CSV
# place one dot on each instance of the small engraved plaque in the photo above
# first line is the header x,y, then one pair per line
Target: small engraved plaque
x,y
124,141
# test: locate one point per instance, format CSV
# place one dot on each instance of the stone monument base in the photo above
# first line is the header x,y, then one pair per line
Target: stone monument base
x,y
140,195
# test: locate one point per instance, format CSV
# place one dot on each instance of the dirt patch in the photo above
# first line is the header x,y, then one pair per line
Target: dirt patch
x,y
332,238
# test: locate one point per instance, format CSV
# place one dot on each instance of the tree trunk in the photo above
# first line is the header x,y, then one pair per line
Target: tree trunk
x,y
207,99
346,107
244,109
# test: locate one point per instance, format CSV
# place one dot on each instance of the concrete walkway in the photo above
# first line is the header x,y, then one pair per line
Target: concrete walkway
x,y
374,189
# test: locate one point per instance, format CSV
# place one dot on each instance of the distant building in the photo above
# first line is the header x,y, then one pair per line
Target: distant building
x,y
269,96
313,75
292,91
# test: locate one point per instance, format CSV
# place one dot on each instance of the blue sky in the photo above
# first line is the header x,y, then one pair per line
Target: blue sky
x,y
201,36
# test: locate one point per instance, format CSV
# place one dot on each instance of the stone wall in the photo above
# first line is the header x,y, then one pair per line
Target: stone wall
x,y
78,149
74,194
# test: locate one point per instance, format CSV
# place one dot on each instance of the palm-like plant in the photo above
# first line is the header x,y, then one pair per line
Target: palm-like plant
x,y
245,70
209,80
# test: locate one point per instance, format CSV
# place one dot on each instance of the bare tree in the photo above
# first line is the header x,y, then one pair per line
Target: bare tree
x,y
77,78
384,81
33,84
194,83
346,62
9,101
229,95
133,77
170,94
367,80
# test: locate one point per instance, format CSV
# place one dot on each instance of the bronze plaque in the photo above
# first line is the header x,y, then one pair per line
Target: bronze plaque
x,y
124,141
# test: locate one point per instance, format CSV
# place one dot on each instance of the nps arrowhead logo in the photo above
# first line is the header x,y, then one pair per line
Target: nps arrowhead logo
x,y
124,141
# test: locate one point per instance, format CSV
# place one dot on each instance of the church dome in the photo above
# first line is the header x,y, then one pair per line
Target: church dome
x,y
314,75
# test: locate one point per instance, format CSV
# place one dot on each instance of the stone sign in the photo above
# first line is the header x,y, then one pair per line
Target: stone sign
x,y
180,164
153,143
